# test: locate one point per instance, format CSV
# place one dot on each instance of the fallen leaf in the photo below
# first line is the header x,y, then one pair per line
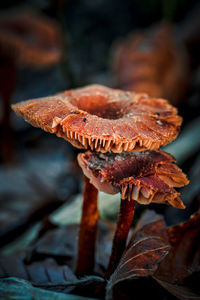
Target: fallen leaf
x,y
141,289
23,241
44,265
14,288
37,191
53,252
142,255
90,286
181,292
46,271
179,272
61,244
147,217
58,242
140,60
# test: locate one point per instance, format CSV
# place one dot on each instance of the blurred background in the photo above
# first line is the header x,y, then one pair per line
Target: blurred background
x,y
46,47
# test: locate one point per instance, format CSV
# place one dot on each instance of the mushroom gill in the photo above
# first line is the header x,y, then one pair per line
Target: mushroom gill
x,y
145,177
102,119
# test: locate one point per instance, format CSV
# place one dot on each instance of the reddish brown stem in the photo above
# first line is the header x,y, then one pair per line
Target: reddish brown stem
x,y
88,230
125,219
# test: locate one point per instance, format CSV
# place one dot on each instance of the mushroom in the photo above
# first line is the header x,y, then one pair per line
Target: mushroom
x,y
153,61
145,177
28,39
101,119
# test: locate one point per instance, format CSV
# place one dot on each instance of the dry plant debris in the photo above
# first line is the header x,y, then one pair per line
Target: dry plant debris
x,y
153,61
30,38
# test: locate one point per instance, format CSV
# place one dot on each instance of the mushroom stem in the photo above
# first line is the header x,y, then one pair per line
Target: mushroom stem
x,y
88,229
125,219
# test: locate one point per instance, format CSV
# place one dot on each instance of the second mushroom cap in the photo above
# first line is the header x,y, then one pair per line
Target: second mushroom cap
x,y
146,176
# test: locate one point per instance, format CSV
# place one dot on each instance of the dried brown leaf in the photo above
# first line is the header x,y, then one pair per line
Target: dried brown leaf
x,y
181,292
179,271
143,254
30,38
152,61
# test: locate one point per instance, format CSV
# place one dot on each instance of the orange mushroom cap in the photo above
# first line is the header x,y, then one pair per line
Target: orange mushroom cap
x,y
29,38
153,61
146,177
102,119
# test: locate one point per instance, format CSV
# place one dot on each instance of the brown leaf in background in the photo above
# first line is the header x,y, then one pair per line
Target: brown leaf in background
x,y
60,243
143,254
34,188
48,262
140,60
179,272
146,218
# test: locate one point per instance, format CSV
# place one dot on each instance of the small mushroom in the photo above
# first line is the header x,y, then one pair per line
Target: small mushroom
x,y
102,119
153,61
145,177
